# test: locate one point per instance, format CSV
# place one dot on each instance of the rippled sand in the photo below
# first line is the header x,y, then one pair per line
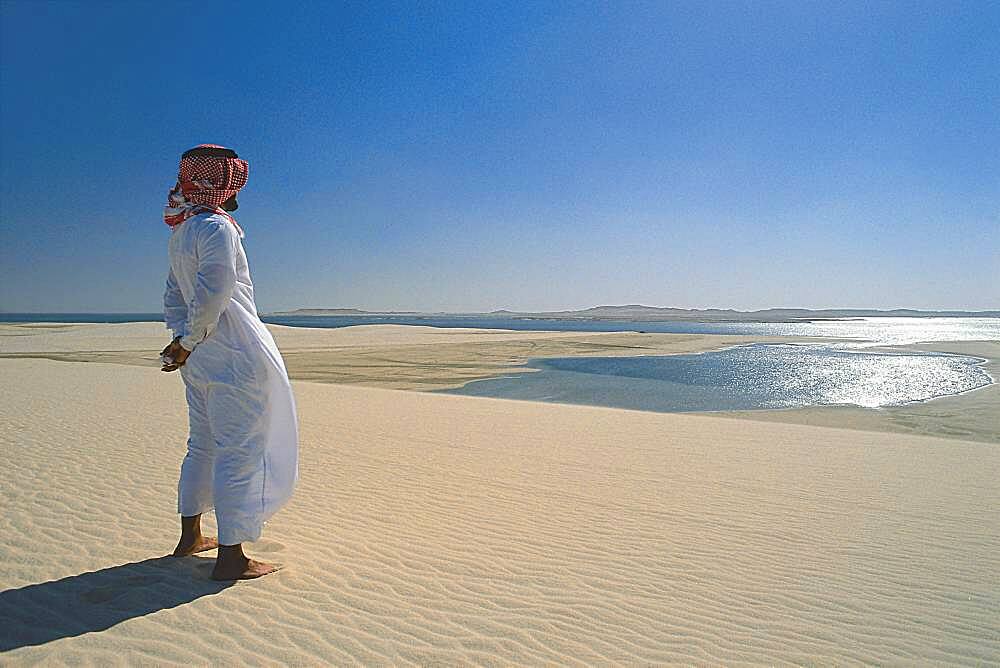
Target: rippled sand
x,y
431,529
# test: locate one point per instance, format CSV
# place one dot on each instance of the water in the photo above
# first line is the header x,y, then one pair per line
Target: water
x,y
869,331
81,317
873,331
848,371
759,376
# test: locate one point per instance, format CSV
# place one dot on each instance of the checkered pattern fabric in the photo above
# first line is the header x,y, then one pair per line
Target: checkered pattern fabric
x,y
204,182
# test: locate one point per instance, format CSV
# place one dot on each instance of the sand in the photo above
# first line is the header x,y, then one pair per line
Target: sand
x,y
437,529
399,357
430,358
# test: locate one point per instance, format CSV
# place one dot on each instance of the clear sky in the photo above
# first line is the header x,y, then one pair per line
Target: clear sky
x,y
474,156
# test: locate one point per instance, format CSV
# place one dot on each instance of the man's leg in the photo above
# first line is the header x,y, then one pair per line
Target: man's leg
x,y
191,540
194,490
239,428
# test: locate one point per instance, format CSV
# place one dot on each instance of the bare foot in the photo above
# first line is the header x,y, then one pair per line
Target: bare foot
x,y
200,544
247,569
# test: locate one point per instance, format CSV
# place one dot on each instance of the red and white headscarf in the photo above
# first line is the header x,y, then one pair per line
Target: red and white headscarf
x,y
204,182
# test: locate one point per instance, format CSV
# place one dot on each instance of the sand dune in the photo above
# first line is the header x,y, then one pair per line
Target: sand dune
x,y
431,529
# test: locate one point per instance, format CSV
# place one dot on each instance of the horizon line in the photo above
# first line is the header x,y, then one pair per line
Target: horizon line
x,y
562,310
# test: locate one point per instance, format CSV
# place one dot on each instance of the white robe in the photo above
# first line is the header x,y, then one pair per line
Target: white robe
x,y
242,457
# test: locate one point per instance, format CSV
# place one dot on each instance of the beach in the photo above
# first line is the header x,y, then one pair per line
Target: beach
x,y
441,529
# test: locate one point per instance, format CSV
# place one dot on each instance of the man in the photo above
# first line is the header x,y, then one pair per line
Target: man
x,y
242,457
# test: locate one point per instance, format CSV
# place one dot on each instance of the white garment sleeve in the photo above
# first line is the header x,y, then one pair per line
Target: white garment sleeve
x,y
215,281
174,309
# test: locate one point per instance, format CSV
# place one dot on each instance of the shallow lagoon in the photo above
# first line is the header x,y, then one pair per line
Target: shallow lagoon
x,y
759,376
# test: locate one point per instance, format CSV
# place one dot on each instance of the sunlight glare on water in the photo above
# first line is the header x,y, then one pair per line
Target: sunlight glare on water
x,y
882,331
758,376
819,376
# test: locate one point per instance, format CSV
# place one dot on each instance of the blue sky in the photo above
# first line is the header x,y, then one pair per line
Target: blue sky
x,y
475,156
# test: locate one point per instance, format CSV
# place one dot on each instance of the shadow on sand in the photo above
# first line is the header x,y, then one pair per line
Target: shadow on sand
x,y
98,600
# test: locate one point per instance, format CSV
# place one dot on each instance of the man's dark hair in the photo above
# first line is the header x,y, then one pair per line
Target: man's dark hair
x,y
213,151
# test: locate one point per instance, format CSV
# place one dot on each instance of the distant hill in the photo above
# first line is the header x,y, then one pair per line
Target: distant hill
x,y
340,311
638,312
